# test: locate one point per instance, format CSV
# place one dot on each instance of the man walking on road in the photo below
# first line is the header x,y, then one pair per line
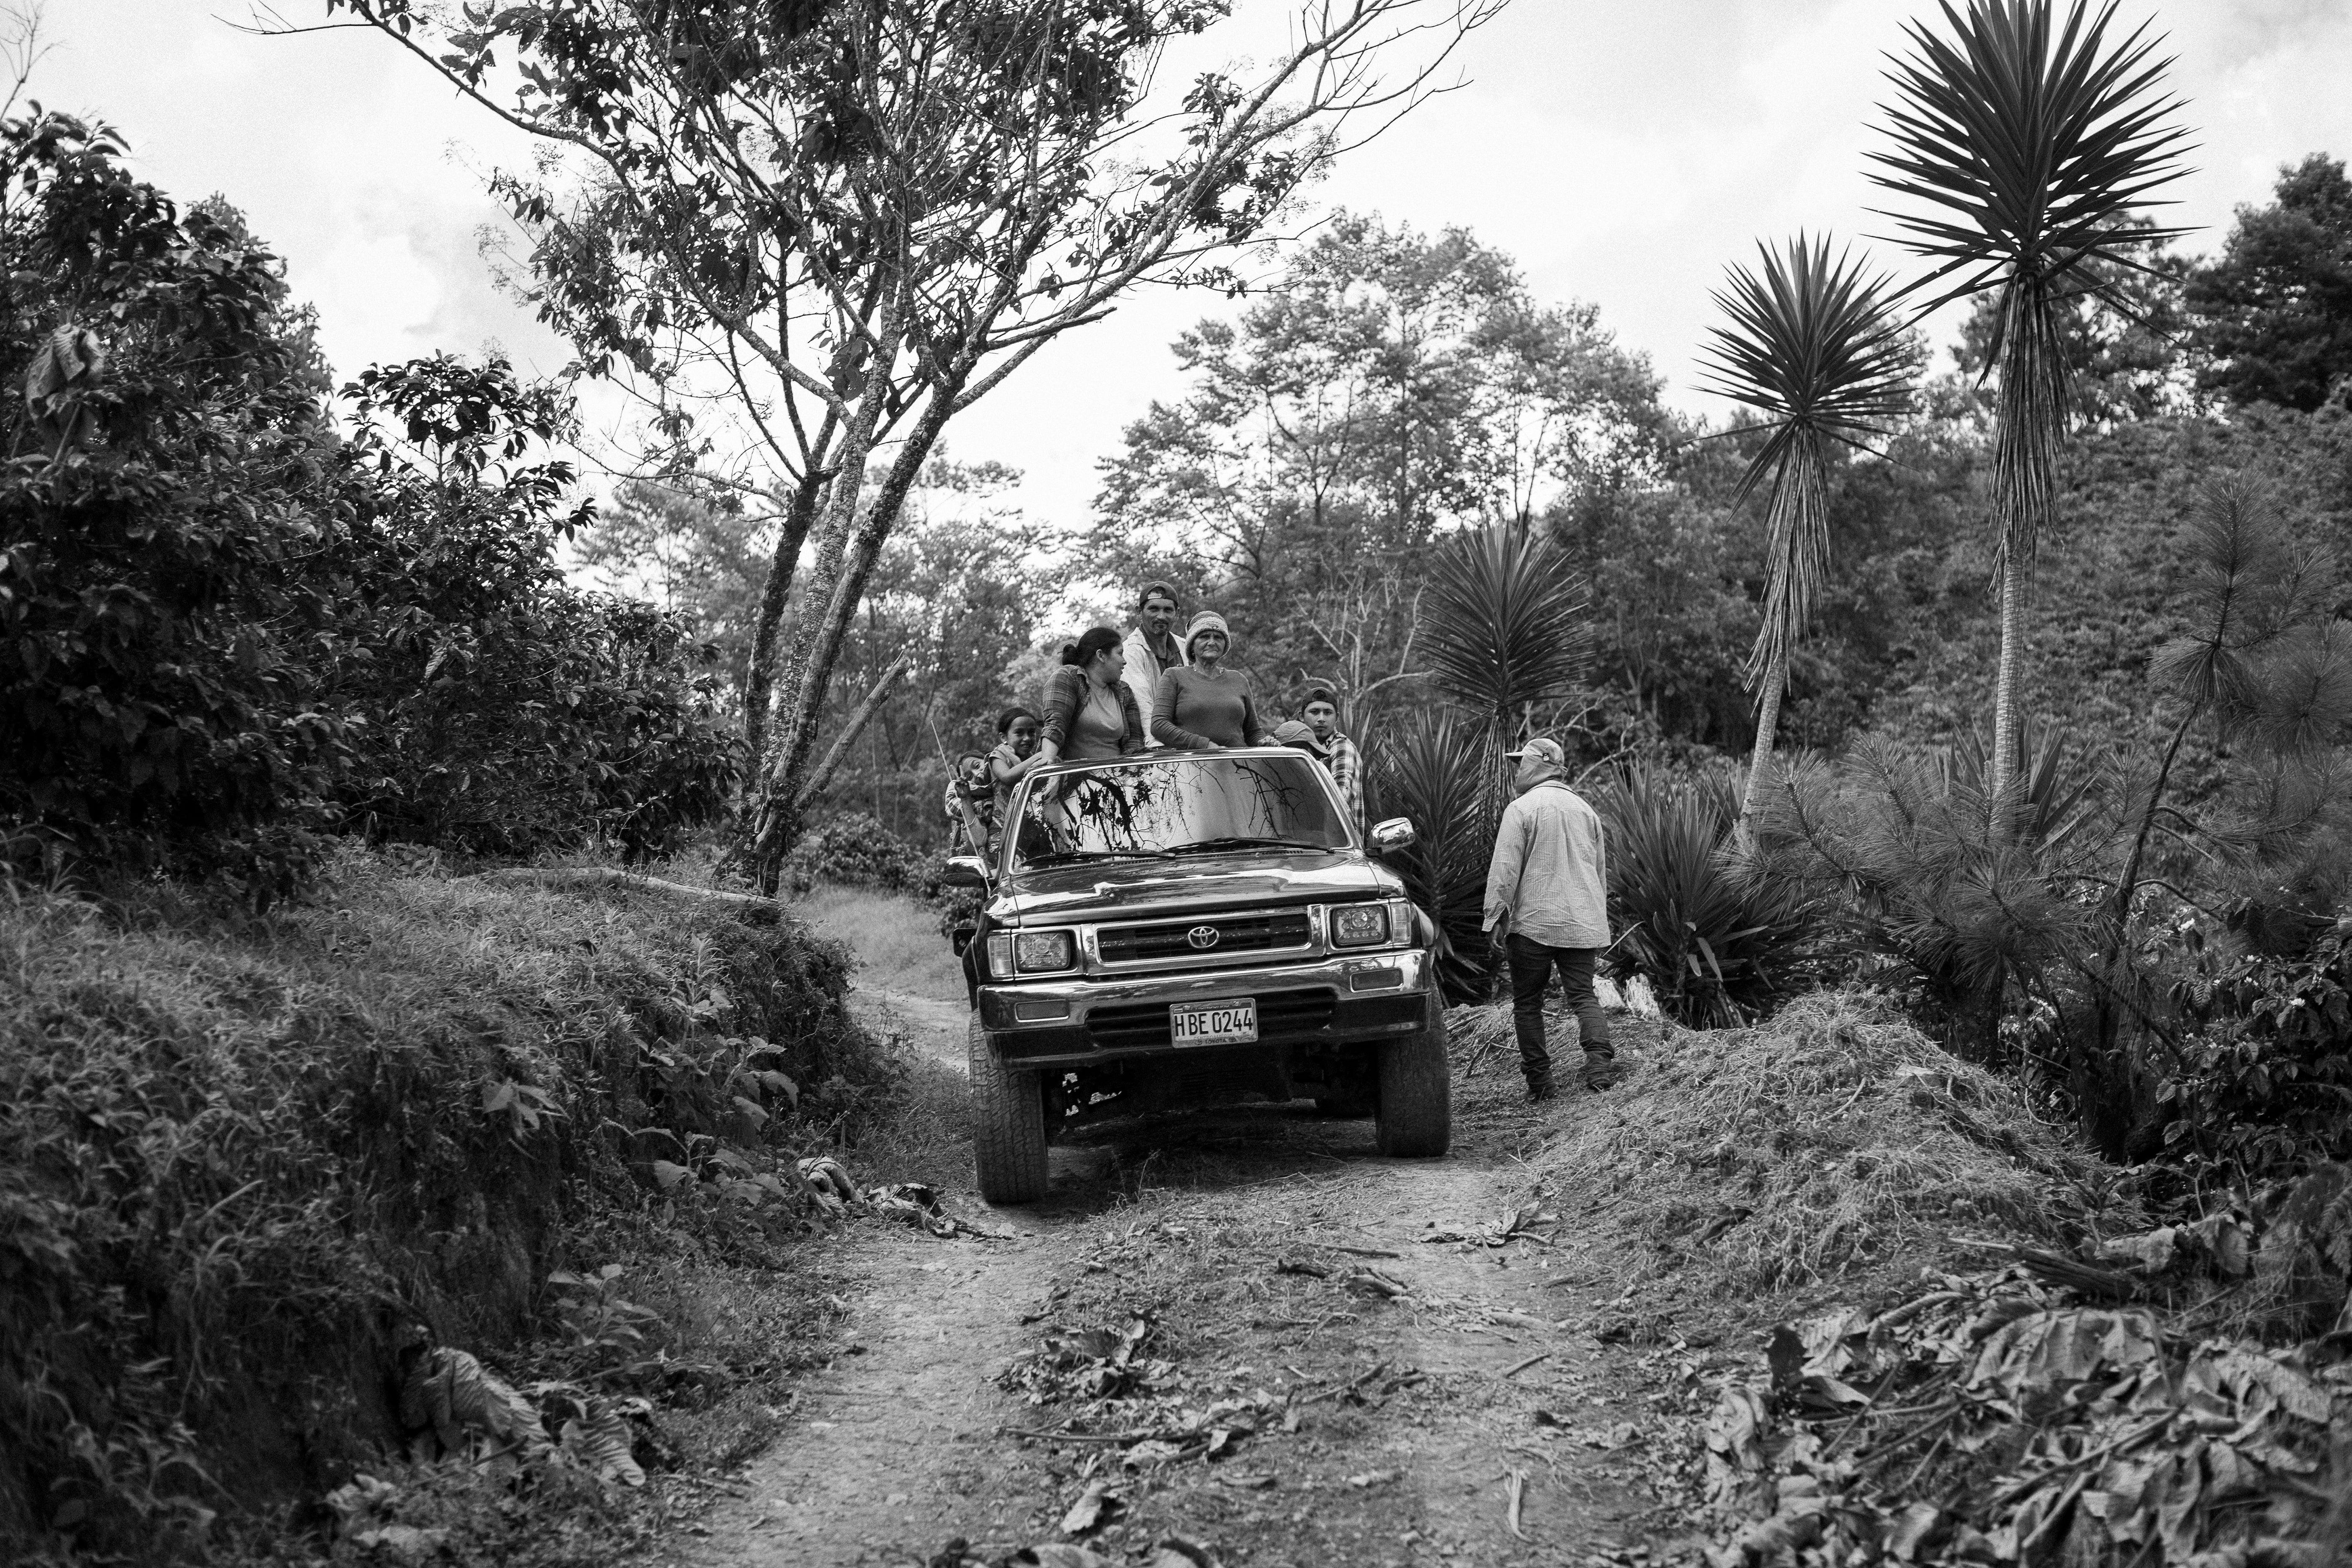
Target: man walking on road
x,y
1548,898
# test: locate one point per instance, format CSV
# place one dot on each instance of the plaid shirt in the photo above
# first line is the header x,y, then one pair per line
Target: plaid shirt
x,y
1347,765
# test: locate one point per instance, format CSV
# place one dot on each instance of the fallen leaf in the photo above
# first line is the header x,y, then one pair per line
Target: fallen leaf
x,y
1088,1511
1910,1528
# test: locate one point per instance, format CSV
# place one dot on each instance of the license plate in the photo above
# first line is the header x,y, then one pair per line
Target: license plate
x,y
1230,1022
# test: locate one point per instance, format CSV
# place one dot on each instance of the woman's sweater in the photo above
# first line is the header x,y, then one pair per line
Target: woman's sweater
x,y
1066,691
1197,708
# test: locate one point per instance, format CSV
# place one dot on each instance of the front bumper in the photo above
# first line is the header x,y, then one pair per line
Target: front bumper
x,y
1360,997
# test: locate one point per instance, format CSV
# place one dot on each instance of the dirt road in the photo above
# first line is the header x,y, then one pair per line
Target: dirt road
x,y
1405,1359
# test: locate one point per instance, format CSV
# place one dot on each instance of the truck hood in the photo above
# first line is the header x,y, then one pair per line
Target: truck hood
x,y
1238,878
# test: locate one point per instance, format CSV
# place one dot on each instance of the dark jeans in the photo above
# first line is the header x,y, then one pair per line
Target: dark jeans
x,y
1531,967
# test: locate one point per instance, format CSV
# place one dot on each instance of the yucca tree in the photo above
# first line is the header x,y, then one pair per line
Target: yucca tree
x,y
2026,150
1812,345
1504,622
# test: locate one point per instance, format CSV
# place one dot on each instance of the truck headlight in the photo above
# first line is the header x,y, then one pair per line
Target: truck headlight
x,y
1043,951
1000,954
1360,925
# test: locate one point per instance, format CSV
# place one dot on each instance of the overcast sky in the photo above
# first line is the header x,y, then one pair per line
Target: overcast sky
x,y
1623,150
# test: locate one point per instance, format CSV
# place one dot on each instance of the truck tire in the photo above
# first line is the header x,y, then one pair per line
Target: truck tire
x,y
1008,1126
1416,1112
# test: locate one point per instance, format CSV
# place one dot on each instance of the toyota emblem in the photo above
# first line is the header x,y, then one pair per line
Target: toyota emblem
x,y
1202,936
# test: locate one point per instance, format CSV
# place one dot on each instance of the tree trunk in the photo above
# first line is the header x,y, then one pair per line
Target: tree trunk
x,y
759,678
858,720
846,574
612,877
2006,720
775,816
1767,725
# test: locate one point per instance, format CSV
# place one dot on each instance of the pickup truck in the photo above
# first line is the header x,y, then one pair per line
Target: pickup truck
x,y
1170,930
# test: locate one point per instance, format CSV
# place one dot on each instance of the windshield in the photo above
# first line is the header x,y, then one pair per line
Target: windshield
x,y
1170,806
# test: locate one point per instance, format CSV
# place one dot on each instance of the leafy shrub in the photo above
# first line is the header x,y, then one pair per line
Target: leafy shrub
x,y
505,712
2262,1085
237,1156
855,850
1718,941
225,632
156,611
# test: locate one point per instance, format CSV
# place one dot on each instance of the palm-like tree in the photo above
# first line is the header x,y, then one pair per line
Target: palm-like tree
x,y
2027,149
1812,346
1505,624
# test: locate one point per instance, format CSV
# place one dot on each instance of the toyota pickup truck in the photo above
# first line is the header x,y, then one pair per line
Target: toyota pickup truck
x,y
1170,930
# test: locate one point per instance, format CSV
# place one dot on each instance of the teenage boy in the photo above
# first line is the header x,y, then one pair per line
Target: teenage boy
x,y
1337,752
1152,646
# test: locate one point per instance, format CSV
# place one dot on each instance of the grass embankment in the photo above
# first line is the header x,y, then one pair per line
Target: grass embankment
x,y
242,1160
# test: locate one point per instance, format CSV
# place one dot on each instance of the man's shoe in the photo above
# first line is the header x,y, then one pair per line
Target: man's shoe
x,y
1602,1072
1542,1089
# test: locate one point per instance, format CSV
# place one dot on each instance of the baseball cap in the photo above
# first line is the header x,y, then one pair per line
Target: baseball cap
x,y
1546,751
1291,733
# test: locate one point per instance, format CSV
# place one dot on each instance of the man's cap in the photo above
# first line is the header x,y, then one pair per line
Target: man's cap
x,y
1292,732
1543,750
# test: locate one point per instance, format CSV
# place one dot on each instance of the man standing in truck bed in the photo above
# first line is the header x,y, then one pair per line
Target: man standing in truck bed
x,y
1547,898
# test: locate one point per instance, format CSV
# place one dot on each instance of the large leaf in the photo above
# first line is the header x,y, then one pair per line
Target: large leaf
x,y
1505,623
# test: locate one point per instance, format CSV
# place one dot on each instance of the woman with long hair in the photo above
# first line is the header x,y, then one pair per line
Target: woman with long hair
x,y
1205,704
1090,715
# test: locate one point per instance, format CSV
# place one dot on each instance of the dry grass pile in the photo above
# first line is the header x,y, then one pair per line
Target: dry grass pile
x,y
1832,1141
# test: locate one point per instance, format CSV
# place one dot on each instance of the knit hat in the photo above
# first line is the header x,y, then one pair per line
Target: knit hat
x,y
1293,733
1206,621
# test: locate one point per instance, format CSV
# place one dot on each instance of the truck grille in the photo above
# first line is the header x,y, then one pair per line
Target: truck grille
x,y
1255,933
1283,1014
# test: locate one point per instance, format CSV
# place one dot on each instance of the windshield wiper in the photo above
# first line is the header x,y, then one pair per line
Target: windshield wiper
x,y
1062,856
1240,843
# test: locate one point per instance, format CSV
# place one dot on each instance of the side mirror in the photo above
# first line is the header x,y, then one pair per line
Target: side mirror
x,y
1396,833
964,872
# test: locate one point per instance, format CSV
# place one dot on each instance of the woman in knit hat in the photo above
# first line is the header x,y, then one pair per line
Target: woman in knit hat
x,y
1203,705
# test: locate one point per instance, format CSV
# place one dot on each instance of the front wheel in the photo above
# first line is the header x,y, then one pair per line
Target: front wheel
x,y
1416,1111
1008,1125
